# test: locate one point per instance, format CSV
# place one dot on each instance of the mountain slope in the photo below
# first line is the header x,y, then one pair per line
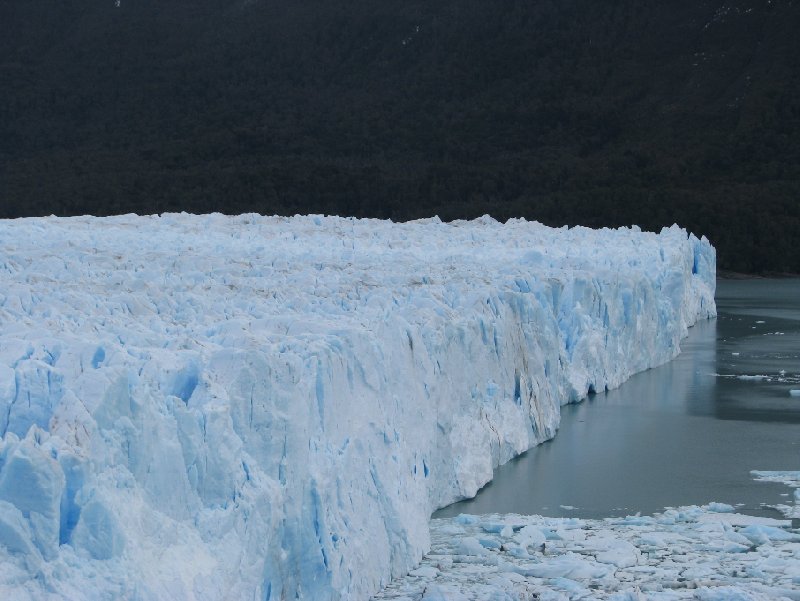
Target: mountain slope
x,y
566,112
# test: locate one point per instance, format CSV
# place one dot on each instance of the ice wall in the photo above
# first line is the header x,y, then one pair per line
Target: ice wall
x,y
210,407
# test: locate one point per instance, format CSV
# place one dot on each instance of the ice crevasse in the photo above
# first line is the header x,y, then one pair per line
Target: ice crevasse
x,y
212,407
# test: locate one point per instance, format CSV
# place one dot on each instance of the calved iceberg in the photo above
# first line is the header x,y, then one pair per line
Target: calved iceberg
x,y
212,407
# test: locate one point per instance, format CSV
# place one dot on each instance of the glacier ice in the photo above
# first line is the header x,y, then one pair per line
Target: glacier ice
x,y
212,407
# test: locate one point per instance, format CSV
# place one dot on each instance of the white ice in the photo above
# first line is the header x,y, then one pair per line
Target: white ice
x,y
685,553
264,408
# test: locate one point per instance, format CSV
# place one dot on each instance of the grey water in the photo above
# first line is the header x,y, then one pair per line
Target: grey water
x,y
686,433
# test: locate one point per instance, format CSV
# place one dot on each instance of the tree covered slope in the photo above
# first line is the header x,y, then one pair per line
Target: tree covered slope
x,y
565,111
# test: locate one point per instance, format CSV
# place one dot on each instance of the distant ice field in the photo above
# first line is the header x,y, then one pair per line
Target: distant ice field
x,y
212,407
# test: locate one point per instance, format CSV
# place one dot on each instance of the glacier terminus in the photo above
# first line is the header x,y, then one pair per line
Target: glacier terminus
x,y
213,407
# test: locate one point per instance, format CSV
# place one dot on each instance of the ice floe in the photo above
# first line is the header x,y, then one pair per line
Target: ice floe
x,y
685,553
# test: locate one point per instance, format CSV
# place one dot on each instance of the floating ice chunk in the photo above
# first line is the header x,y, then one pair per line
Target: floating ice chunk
x,y
467,519
760,534
453,528
788,477
628,596
573,588
471,546
727,593
425,572
719,507
443,593
794,392
550,534
493,527
620,553
489,543
740,519
530,536
569,565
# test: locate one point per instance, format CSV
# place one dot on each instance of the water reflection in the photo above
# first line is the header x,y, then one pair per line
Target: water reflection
x,y
759,328
688,432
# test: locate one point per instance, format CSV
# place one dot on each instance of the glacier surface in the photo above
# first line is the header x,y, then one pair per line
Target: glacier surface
x,y
212,407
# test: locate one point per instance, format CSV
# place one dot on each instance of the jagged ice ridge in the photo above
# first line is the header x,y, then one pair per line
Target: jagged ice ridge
x,y
212,407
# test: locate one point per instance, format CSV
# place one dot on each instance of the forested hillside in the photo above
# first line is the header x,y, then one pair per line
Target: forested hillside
x,y
564,111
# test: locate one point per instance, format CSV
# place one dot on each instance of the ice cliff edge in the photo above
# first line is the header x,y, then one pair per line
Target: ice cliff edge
x,y
211,407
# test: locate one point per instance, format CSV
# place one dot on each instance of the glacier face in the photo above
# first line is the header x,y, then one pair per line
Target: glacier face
x,y
211,407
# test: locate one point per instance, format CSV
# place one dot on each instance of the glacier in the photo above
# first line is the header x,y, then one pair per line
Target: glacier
x,y
213,407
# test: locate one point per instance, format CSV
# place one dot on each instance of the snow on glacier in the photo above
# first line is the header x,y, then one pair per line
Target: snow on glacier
x,y
212,407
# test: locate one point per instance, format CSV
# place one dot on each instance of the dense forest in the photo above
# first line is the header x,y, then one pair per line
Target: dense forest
x,y
563,111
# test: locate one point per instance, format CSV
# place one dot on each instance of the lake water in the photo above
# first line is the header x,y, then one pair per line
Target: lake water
x,y
688,432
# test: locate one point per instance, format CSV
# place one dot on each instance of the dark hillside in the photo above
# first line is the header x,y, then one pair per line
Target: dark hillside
x,y
568,111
